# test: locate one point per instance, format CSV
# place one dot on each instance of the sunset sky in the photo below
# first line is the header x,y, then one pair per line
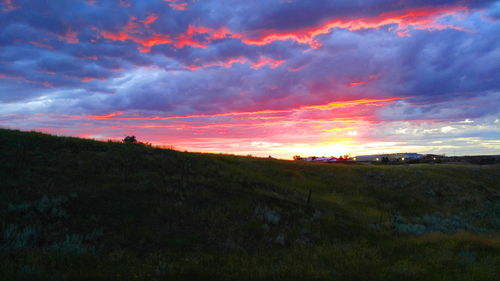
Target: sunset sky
x,y
260,77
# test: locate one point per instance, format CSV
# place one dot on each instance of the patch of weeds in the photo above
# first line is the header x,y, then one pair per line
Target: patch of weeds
x,y
270,216
486,220
72,243
43,224
15,237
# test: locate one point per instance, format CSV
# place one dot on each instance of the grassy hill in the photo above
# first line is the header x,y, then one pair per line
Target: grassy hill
x,y
75,209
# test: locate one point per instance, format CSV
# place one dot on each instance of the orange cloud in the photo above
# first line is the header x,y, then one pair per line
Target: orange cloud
x,y
422,18
229,63
119,36
146,43
222,33
362,82
267,61
183,41
328,106
200,37
195,36
187,38
150,19
88,79
70,37
155,39
177,5
352,102
112,114
210,34
294,69
131,26
263,61
357,83
340,120
339,129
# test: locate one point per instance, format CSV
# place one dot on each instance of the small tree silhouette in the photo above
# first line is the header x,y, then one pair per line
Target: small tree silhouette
x,y
130,139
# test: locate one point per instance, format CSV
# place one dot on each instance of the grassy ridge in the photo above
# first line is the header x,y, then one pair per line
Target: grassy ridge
x,y
74,209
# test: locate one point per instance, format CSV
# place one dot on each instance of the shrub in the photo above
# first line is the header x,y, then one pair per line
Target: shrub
x,y
130,139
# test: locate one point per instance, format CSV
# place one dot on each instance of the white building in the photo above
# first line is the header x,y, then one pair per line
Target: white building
x,y
320,159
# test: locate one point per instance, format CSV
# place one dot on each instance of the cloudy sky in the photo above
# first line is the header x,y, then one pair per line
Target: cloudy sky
x,y
261,77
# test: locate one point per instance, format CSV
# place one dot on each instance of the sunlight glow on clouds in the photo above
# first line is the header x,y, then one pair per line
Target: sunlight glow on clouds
x,y
296,77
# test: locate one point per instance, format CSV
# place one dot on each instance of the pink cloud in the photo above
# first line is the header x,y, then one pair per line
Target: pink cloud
x,y
9,6
200,36
267,61
195,36
176,4
229,63
421,18
263,61
88,79
119,36
70,37
362,82
155,39
265,112
112,114
41,45
125,3
150,19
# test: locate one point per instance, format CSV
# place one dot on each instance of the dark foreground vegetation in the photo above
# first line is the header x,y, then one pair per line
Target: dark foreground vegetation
x,y
74,209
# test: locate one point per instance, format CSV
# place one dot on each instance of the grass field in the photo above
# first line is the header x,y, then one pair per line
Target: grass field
x,y
76,209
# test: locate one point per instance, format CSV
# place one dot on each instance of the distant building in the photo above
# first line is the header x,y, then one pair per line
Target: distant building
x,y
319,159
390,157
393,157
410,156
368,158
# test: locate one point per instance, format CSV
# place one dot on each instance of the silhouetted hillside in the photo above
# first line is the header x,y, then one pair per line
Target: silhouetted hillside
x,y
76,209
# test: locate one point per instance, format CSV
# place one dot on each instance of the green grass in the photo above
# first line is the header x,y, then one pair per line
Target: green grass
x,y
75,209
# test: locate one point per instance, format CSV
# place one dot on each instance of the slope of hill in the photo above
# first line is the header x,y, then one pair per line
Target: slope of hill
x,y
75,209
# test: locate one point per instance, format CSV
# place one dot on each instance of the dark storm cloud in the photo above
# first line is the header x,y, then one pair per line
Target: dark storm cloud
x,y
285,15
150,56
